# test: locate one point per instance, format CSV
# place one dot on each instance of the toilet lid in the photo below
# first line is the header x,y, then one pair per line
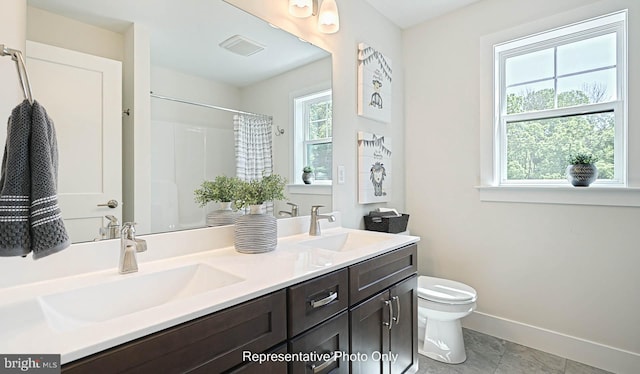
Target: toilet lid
x,y
445,291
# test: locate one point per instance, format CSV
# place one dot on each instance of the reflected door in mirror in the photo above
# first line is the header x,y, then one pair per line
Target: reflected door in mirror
x,y
83,95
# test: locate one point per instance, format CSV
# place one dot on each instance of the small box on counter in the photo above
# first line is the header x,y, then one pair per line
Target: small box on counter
x,y
385,222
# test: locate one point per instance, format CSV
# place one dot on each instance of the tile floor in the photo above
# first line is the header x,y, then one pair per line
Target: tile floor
x,y
489,355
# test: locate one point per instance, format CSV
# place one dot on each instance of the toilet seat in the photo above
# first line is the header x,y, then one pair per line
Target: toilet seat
x,y
445,291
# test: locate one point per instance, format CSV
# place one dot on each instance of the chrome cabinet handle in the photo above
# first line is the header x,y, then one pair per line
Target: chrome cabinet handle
x,y
324,365
111,204
397,318
391,318
324,301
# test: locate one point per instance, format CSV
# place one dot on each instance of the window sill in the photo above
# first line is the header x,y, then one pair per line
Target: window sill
x,y
309,189
593,195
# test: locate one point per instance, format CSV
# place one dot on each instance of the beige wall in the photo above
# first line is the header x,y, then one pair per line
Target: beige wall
x,y
359,22
565,268
72,34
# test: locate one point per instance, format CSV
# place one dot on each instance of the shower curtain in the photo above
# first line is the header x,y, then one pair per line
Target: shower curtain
x,y
253,148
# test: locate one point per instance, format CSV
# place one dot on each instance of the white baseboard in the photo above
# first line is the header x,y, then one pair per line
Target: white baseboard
x,y
588,352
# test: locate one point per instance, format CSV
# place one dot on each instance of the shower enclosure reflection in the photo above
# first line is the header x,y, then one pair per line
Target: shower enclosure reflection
x,y
186,144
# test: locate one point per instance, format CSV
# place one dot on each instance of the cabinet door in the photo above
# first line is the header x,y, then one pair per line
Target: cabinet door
x,y
404,338
327,338
370,334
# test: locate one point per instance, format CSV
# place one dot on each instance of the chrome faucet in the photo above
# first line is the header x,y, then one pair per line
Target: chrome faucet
x,y
129,245
111,230
314,226
292,213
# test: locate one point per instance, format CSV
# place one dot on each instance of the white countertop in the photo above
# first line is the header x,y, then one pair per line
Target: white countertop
x,y
24,327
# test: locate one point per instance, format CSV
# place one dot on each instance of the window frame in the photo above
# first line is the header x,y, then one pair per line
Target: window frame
x,y
607,24
301,107
487,186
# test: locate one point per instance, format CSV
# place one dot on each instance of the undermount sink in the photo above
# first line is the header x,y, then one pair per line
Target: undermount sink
x,y
101,302
344,241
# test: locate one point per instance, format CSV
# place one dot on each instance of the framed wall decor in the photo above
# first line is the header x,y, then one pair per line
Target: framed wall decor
x,y
374,168
374,84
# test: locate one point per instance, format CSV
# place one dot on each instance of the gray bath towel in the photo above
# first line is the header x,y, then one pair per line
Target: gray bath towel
x,y
30,219
48,234
15,185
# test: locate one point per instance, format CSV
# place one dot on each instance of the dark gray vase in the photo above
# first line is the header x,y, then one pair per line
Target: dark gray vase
x,y
582,175
307,178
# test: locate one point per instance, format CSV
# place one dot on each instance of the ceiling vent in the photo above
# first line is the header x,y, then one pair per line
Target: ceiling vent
x,y
241,45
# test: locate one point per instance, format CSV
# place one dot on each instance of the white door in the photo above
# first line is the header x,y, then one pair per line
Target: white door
x,y
83,95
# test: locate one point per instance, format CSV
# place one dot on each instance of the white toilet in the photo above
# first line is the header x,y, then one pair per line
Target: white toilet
x,y
441,305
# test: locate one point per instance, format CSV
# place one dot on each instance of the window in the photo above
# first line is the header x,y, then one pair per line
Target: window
x,y
313,117
560,93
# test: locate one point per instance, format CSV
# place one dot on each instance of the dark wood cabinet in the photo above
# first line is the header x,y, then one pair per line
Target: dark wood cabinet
x,y
369,277
384,312
404,333
367,312
324,340
384,328
316,300
210,344
266,367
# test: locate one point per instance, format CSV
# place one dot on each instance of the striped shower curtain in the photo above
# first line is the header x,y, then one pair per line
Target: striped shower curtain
x,y
253,148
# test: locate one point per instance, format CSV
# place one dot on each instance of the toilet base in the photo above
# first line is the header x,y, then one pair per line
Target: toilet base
x,y
443,341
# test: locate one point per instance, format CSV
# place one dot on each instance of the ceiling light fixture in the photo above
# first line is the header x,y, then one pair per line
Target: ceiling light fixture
x,y
301,8
328,18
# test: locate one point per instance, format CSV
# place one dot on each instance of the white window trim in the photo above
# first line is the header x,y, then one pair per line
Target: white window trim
x,y
298,137
489,188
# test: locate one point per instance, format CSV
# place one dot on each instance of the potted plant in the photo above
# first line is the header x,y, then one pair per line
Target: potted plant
x,y
257,232
307,175
221,190
582,170
257,192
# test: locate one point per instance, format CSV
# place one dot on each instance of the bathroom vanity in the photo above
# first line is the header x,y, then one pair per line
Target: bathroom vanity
x,y
348,296
376,297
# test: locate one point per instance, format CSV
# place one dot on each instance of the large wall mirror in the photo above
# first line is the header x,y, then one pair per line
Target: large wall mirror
x,y
264,70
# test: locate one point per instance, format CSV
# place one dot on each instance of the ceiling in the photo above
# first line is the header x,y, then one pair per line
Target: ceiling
x,y
185,34
407,13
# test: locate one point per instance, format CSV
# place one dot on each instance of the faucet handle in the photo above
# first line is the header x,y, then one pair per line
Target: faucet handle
x,y
315,208
113,221
128,230
294,209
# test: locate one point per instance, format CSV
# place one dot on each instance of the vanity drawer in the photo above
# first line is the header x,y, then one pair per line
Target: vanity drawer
x,y
374,275
271,366
315,300
209,344
327,338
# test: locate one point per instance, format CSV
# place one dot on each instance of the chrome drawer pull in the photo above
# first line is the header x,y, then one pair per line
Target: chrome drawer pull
x,y
397,318
318,303
391,317
324,365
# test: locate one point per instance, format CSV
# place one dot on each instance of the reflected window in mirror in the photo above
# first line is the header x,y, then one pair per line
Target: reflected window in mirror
x,y
313,129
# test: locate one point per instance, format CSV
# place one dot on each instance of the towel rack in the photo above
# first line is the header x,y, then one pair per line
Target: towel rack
x,y
16,56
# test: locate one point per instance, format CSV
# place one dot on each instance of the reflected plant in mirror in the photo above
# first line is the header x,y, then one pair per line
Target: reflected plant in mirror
x,y
222,189
153,177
